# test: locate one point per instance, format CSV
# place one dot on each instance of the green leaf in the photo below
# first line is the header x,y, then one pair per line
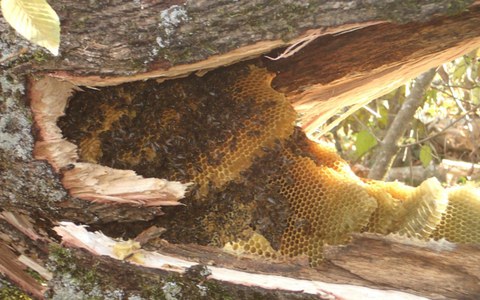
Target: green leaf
x,y
365,141
35,20
425,155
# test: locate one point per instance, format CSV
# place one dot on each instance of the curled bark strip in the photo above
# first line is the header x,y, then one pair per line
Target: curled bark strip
x,y
104,184
87,181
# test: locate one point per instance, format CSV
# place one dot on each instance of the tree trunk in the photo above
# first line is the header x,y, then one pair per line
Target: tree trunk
x,y
351,54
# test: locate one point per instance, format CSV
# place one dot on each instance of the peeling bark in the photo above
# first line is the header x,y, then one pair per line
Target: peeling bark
x,y
410,262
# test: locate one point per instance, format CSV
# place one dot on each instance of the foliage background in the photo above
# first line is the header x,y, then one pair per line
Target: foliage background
x,y
445,126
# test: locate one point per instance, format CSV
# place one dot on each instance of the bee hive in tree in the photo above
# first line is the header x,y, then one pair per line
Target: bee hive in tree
x,y
260,187
205,131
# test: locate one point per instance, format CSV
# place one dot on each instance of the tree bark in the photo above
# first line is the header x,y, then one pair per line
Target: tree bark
x,y
173,32
119,41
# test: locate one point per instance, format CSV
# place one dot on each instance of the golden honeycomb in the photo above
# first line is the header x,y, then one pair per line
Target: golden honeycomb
x,y
383,218
327,203
324,154
259,131
409,211
256,245
423,209
461,221
261,187
397,190
90,147
325,208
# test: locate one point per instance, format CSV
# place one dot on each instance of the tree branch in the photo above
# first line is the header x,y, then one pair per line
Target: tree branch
x,y
389,146
441,131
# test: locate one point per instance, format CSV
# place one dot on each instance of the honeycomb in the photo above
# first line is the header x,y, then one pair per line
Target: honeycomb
x,y
90,147
275,122
324,154
261,187
423,209
325,207
383,218
461,221
256,245
409,211
396,189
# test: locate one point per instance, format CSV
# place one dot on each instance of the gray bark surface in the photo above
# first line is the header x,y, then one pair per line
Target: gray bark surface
x,y
126,37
